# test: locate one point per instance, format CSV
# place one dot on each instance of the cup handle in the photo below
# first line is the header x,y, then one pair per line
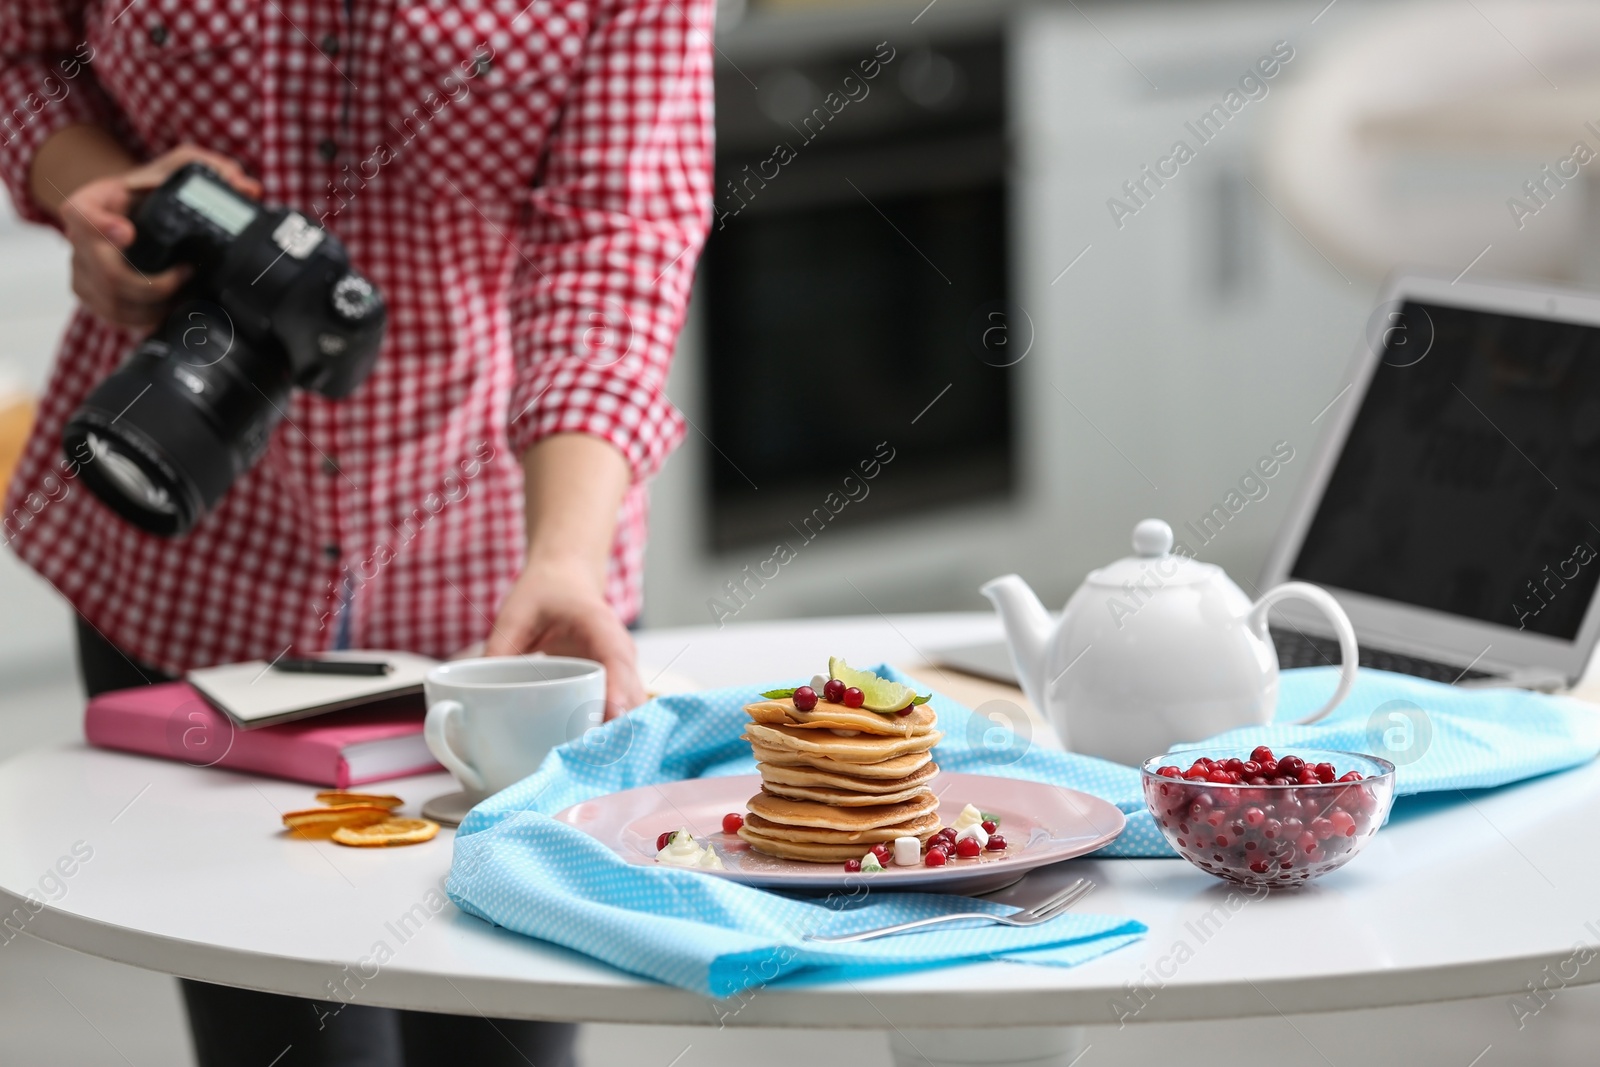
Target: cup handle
x,y
1325,602
436,732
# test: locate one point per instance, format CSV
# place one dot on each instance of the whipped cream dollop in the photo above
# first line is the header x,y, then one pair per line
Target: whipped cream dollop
x,y
970,816
684,851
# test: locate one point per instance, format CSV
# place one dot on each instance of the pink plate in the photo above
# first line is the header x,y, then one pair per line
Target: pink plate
x,y
1042,824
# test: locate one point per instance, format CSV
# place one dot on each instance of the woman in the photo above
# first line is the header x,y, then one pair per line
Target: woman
x,y
529,187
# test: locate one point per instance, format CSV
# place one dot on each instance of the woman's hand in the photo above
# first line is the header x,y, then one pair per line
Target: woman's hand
x,y
96,220
573,484
558,609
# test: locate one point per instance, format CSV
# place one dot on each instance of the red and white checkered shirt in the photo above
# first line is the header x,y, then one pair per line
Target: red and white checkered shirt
x,y
529,185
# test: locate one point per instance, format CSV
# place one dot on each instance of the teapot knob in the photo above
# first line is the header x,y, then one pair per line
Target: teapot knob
x,y
1152,537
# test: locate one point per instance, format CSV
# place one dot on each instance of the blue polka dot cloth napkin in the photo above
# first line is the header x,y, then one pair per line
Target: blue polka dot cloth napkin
x,y
518,868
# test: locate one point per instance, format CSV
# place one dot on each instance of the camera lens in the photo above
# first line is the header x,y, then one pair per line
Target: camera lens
x,y
162,438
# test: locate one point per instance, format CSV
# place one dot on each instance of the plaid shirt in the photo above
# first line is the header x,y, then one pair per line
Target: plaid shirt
x,y
529,184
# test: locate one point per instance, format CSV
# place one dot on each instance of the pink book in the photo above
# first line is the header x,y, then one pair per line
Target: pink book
x,y
339,750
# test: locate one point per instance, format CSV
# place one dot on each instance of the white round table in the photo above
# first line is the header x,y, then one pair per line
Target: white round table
x,y
184,871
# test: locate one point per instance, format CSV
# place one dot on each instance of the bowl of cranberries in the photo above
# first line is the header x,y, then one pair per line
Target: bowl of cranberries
x,y
1262,819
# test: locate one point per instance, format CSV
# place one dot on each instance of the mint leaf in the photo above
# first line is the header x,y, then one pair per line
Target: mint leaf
x,y
921,700
778,694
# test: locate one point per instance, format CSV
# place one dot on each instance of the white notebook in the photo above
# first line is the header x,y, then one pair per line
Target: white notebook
x,y
253,694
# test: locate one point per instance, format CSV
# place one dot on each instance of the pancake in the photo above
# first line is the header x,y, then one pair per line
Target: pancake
x,y
838,717
863,748
804,851
812,778
897,767
810,814
922,828
840,798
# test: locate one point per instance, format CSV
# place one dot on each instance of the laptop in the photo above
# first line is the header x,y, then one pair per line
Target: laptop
x,y
1453,501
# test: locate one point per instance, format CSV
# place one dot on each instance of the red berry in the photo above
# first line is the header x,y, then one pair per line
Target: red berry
x,y
1344,824
1308,777
948,831
661,842
1169,772
1219,777
1307,842
853,697
934,858
968,847
882,851
1250,767
731,822
1269,767
833,691
1324,772
1350,776
805,698
852,865
1290,766
997,843
1195,774
907,710
1261,754
990,826
1271,828
1254,816
1321,828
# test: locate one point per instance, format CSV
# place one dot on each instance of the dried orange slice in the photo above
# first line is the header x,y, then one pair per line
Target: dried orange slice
x,y
339,797
321,822
392,832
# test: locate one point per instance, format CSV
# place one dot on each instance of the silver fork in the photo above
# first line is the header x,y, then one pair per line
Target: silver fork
x,y
1044,910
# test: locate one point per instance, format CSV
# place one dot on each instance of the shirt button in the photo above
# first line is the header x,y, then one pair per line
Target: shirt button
x,y
158,35
333,552
330,466
330,44
327,149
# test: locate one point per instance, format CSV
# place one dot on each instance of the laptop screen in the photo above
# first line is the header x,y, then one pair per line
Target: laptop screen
x,y
1470,480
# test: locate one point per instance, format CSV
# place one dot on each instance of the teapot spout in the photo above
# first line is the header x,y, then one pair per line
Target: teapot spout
x,y
1028,628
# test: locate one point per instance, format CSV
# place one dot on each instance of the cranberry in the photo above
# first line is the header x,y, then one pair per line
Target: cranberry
x,y
1261,754
1260,866
1219,777
1325,772
968,847
1292,827
1254,816
661,842
949,832
997,843
1195,774
1307,842
853,698
990,826
1269,767
907,710
1308,776
934,858
1255,779
1321,828
833,691
1350,776
1290,766
1271,828
852,865
731,822
1169,772
1250,768
882,851
805,698
1344,824
1234,765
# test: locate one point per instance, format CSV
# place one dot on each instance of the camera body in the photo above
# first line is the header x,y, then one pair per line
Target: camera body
x,y
272,304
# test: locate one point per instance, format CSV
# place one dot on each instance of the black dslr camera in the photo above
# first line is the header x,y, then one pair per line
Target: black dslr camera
x,y
273,303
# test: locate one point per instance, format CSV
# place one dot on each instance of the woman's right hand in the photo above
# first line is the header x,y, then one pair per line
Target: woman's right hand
x,y
96,220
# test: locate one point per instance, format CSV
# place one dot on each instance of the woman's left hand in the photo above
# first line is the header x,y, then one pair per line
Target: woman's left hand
x,y
558,609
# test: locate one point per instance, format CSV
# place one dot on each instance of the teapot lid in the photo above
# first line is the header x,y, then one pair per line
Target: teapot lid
x,y
1154,562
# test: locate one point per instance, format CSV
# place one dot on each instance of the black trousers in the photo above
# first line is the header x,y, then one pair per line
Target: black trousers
x,y
244,1028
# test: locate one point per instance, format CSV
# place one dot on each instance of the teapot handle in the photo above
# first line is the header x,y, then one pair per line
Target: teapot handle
x,y
1341,626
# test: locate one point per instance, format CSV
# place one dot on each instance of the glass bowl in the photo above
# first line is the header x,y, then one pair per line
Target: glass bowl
x,y
1278,836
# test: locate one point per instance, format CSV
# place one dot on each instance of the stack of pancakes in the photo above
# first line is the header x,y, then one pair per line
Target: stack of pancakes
x,y
836,780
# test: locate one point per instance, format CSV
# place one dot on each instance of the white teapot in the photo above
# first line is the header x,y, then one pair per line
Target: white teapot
x,y
1154,650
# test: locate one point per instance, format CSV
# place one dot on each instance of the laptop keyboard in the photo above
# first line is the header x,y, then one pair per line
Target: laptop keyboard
x,y
1296,649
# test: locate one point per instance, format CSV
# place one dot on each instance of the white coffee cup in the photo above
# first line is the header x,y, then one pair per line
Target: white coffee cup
x,y
491,722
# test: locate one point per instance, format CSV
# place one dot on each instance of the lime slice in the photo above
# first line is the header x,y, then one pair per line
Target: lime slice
x,y
881,694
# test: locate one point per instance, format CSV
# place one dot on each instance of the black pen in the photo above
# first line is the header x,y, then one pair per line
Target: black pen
x,y
331,666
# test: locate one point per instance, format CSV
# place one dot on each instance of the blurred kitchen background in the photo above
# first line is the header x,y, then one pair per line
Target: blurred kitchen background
x,y
914,206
